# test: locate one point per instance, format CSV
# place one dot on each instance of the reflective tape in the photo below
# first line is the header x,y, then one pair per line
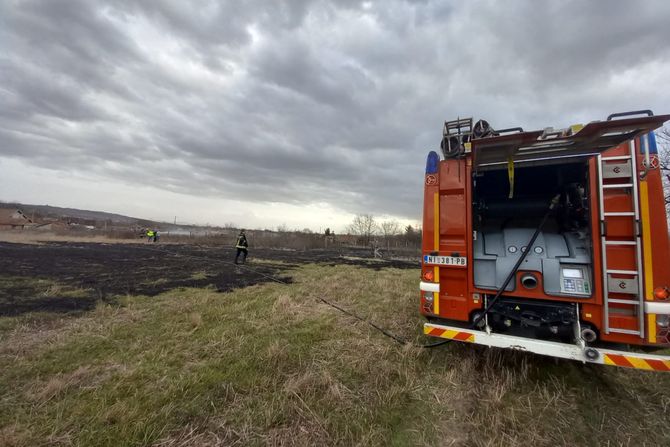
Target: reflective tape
x,y
429,286
450,334
629,361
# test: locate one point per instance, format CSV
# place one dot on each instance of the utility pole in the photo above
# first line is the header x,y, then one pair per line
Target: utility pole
x,y
175,220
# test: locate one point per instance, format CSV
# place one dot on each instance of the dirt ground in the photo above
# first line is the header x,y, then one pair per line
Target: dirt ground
x,y
73,276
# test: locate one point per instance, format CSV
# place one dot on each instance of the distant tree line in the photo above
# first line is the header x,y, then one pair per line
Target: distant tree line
x,y
387,233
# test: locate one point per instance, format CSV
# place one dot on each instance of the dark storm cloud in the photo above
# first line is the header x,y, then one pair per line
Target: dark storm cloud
x,y
300,101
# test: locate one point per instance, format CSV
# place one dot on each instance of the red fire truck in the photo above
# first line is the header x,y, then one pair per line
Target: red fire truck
x,y
550,241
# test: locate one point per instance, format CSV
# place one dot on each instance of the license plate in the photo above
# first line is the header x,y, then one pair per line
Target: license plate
x,y
445,260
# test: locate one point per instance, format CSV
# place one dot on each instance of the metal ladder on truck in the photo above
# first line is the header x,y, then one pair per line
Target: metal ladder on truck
x,y
621,172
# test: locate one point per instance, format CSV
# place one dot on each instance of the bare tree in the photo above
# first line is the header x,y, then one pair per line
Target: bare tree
x,y
363,225
663,138
389,228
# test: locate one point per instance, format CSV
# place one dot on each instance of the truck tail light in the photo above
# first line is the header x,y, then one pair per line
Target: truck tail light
x,y
661,293
428,302
428,275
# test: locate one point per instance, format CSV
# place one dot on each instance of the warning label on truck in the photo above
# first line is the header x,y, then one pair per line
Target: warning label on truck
x,y
445,260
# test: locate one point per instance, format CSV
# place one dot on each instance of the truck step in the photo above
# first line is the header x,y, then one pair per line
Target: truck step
x,y
624,331
620,301
616,157
622,272
610,242
618,185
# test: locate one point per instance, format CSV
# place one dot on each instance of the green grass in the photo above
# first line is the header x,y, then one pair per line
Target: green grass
x,y
270,364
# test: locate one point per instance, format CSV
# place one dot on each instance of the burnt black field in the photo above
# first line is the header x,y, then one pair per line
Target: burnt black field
x,y
102,272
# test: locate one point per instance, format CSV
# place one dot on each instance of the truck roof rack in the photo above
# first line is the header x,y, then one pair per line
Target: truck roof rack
x,y
542,146
455,134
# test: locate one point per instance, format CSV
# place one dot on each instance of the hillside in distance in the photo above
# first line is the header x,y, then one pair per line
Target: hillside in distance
x,y
102,219
48,211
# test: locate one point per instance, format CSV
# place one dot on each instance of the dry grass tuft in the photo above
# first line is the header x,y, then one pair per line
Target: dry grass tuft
x,y
277,353
25,337
82,378
12,436
299,433
195,436
316,382
199,276
195,319
53,290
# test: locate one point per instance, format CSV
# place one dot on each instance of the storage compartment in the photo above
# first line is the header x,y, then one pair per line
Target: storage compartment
x,y
560,258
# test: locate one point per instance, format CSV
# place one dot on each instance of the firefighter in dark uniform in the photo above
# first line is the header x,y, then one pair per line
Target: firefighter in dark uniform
x,y
241,246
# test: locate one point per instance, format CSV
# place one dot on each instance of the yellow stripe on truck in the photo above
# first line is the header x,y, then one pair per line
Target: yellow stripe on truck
x,y
639,363
608,361
647,263
436,247
436,295
436,221
651,323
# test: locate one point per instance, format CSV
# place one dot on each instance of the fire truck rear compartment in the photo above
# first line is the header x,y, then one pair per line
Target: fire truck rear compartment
x,y
559,264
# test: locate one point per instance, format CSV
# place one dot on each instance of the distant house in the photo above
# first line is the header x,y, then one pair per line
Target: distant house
x,y
14,219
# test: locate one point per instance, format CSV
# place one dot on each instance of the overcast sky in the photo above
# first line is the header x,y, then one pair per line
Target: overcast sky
x,y
295,112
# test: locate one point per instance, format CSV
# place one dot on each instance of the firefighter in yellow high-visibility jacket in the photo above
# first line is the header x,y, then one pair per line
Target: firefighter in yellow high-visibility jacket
x,y
241,247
